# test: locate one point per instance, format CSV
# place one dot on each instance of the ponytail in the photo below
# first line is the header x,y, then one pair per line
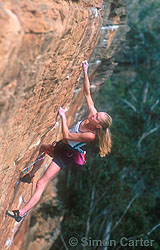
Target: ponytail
x,y
104,136
105,142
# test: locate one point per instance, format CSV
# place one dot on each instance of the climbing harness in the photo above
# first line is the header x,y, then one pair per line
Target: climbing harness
x,y
79,149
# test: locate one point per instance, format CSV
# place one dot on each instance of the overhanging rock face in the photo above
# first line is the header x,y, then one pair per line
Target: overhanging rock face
x,y
42,45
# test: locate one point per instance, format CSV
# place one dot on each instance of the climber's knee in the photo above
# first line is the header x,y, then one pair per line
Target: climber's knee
x,y
41,184
45,148
42,148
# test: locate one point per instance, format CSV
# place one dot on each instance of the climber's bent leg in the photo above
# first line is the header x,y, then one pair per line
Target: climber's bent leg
x,y
50,173
28,177
45,148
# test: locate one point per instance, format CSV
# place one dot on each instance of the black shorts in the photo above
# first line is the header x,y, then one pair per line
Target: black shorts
x,y
64,154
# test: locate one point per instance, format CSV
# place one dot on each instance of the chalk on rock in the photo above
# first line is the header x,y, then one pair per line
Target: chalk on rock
x,y
57,123
111,27
94,12
38,142
8,242
20,201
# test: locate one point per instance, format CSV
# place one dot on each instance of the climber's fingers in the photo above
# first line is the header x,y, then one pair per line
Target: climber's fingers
x,y
84,62
85,65
62,112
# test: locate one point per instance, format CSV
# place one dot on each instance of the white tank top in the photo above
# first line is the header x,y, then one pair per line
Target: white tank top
x,y
75,129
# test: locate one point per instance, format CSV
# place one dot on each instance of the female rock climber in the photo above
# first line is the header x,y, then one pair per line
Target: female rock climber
x,y
96,124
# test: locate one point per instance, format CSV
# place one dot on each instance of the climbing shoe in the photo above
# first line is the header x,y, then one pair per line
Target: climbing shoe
x,y
14,214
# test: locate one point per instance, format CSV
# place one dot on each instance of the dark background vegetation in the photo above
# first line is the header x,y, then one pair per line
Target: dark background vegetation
x,y
119,195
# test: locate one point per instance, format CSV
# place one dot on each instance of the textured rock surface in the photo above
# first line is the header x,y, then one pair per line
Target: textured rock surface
x,y
42,44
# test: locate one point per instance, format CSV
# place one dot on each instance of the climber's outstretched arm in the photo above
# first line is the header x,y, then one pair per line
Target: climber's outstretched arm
x,y
84,137
86,89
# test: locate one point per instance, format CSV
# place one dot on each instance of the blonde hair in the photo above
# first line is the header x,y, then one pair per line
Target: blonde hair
x,y
104,135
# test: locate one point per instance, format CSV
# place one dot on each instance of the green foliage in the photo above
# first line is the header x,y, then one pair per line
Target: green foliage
x,y
48,210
